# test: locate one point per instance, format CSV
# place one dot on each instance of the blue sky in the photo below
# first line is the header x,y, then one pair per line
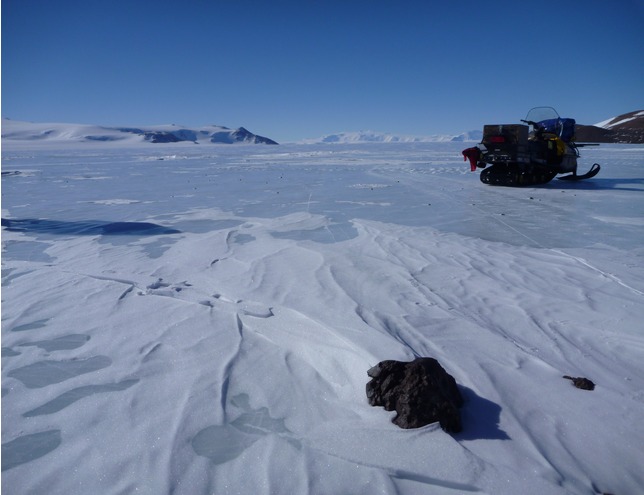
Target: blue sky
x,y
301,69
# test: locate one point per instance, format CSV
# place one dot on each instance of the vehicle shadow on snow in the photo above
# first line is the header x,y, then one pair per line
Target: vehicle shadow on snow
x,y
89,227
480,418
598,184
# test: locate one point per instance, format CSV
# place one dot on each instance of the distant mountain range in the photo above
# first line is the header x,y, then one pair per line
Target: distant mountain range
x,y
380,137
28,131
626,128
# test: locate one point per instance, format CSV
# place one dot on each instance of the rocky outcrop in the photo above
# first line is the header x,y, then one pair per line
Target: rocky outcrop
x,y
245,136
626,128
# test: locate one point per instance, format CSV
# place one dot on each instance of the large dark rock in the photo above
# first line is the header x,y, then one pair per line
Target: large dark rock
x,y
420,391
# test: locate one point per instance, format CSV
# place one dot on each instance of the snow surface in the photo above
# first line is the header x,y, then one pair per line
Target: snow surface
x,y
191,320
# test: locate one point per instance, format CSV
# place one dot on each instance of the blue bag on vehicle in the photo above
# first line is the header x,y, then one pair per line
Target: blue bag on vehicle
x,y
564,128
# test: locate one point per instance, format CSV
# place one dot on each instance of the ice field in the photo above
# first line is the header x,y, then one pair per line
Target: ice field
x,y
195,319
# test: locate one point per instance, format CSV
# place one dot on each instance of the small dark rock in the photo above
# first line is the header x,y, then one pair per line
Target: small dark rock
x,y
580,382
420,391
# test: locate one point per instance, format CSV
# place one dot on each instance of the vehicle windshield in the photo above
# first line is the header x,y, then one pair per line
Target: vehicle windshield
x,y
538,114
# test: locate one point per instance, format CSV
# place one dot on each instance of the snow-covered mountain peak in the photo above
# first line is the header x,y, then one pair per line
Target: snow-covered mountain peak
x,y
14,130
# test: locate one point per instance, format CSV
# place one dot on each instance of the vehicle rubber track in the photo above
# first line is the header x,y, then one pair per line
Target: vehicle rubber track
x,y
511,176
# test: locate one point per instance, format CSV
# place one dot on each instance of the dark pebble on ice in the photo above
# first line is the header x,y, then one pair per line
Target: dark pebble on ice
x,y
580,382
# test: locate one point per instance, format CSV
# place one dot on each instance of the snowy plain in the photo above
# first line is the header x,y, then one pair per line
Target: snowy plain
x,y
194,319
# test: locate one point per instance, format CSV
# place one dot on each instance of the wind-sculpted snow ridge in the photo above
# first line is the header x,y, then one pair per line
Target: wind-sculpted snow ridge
x,y
221,344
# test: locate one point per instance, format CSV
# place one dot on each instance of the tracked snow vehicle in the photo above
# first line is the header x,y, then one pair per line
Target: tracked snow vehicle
x,y
528,154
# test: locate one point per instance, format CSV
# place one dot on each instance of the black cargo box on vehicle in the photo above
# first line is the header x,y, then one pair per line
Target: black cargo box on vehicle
x,y
505,134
